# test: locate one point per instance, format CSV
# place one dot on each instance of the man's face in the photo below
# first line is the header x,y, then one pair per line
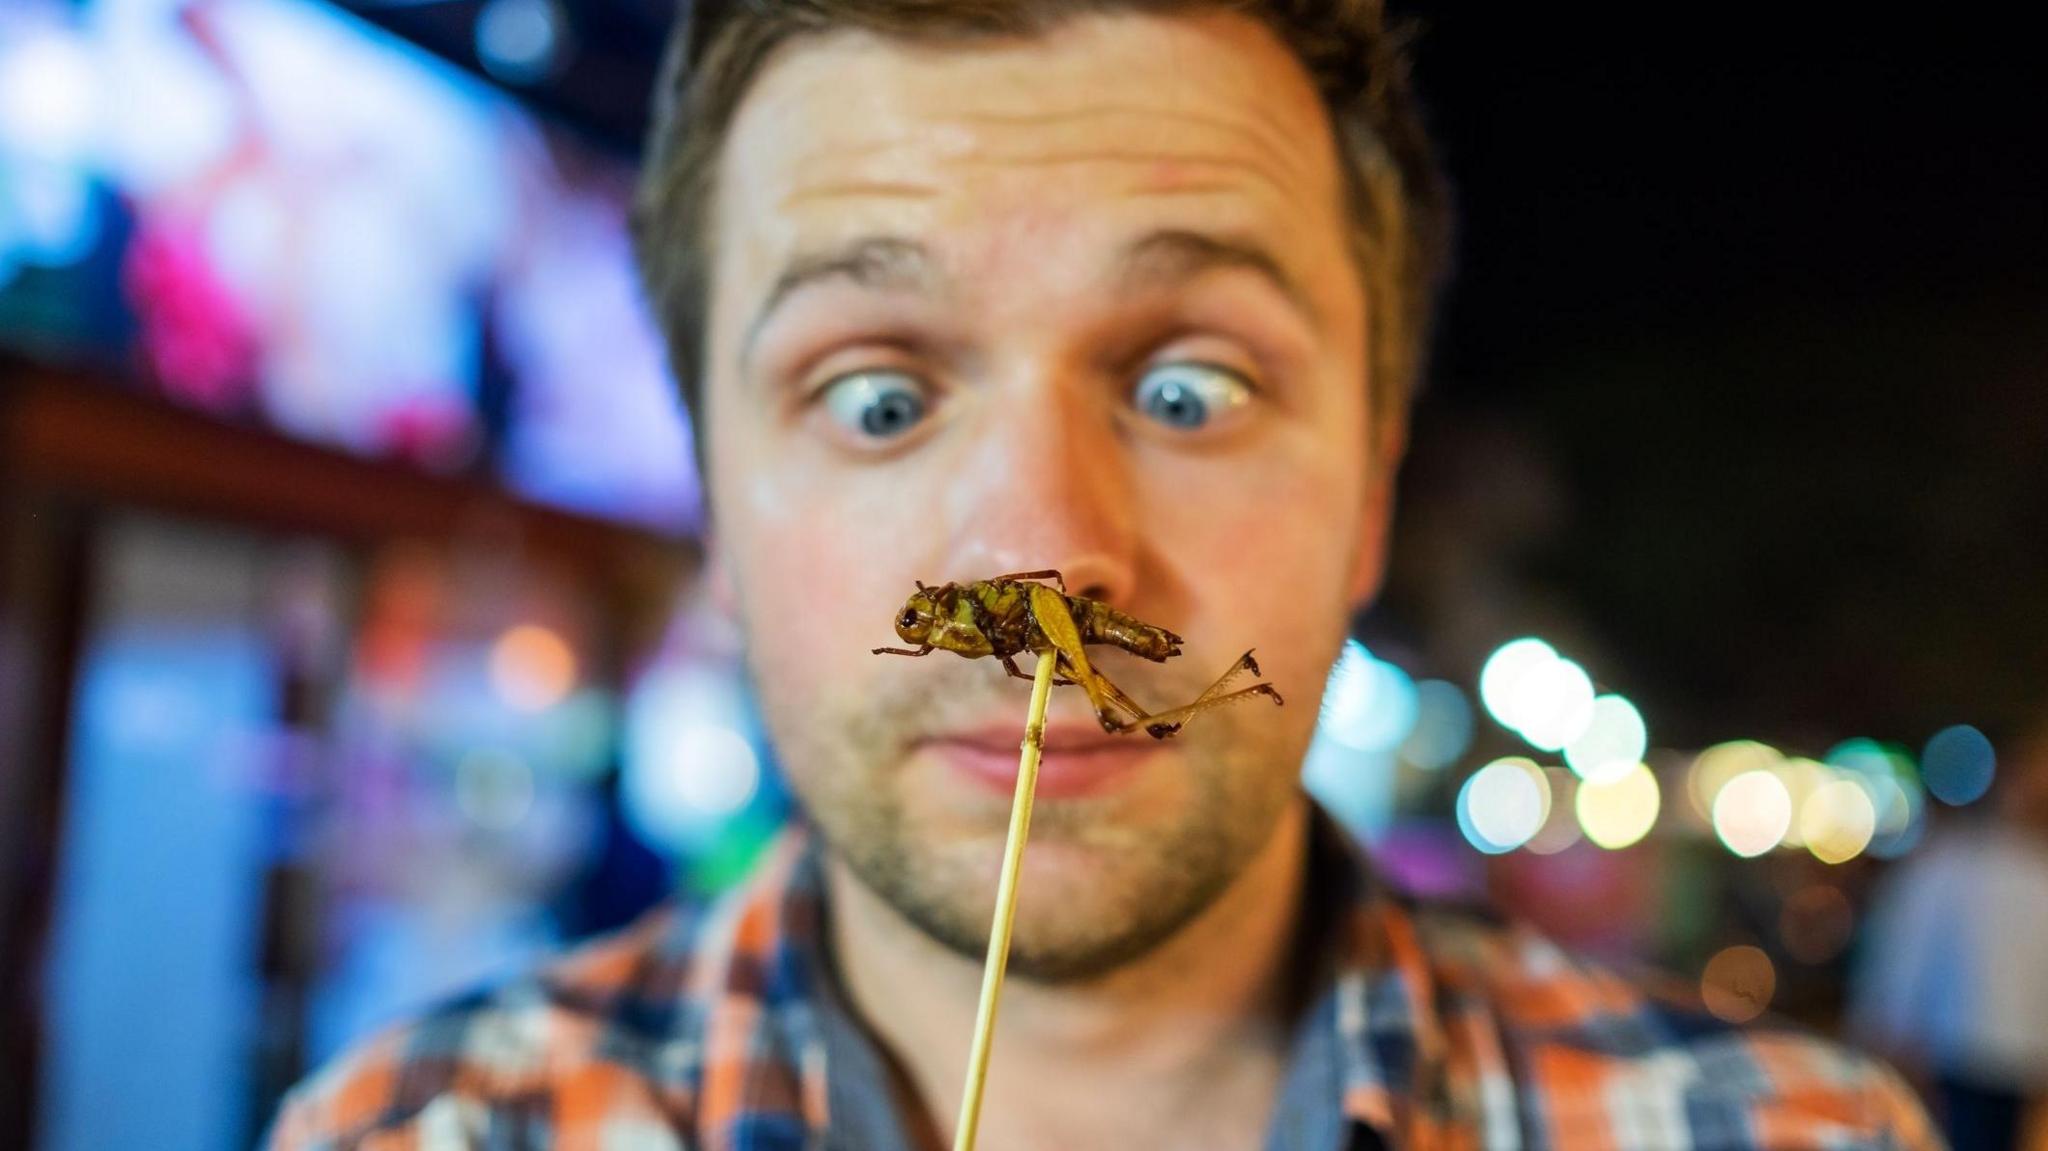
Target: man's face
x,y
1081,302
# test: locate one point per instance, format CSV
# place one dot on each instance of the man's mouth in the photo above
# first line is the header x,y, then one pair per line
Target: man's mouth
x,y
1079,758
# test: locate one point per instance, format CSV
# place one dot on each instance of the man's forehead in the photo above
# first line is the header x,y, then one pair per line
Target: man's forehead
x,y
1186,105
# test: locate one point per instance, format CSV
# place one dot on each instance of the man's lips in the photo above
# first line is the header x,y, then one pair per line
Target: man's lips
x,y
1079,759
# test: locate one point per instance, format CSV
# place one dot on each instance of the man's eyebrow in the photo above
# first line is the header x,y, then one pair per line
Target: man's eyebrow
x,y
885,263
1171,256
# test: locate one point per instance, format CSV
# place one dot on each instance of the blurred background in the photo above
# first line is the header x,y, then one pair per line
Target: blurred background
x,y
349,654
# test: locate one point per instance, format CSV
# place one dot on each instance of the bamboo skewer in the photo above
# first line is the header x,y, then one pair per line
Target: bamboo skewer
x,y
1006,904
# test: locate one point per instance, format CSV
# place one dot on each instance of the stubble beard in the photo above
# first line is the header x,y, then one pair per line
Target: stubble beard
x,y
844,757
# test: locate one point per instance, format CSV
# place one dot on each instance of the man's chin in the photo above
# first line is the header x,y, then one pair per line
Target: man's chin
x,y
1095,891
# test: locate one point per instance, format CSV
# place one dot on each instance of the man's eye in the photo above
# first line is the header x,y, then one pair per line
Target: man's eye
x,y
878,405
1189,396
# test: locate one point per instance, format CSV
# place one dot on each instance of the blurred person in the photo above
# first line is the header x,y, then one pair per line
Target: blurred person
x,y
1953,977
1137,291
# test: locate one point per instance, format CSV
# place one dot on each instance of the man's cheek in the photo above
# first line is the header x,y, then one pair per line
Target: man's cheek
x,y
803,624
1286,597
814,605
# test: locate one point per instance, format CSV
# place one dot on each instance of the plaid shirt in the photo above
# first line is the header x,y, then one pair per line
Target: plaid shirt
x,y
703,1031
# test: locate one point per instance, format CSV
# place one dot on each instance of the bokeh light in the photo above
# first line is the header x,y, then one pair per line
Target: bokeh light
x,y
1957,765
703,776
1503,804
520,41
1561,827
49,96
1816,923
1887,773
1368,704
1503,668
1901,817
494,789
532,667
1802,778
1871,758
687,768
1356,787
1552,703
1443,726
1615,740
1837,821
1738,983
578,737
1617,814
1751,813
1719,764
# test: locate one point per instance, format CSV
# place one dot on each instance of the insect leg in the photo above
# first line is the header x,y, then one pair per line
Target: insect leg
x,y
1120,697
1245,663
1165,723
1049,573
1062,675
925,650
1049,612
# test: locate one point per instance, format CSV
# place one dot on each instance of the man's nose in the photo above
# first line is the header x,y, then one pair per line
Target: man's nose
x,y
1047,485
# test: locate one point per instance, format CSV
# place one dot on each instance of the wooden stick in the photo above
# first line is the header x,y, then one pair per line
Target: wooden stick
x,y
1006,904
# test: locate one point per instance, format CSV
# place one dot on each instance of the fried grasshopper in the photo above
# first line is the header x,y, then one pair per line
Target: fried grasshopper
x,y
1015,613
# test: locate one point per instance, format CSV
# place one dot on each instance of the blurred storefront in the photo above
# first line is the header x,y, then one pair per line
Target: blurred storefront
x,y
346,513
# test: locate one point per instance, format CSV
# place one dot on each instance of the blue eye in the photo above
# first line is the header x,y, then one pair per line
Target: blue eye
x,y
1188,395
878,405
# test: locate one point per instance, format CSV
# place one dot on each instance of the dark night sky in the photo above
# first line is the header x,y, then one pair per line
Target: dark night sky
x,y
1770,297
1758,303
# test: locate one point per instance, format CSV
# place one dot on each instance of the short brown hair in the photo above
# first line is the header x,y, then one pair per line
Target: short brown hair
x,y
1358,63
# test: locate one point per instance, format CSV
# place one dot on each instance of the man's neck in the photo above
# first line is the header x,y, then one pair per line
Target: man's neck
x,y
1184,1046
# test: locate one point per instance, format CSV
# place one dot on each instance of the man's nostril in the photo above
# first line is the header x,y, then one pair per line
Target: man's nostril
x,y
1094,591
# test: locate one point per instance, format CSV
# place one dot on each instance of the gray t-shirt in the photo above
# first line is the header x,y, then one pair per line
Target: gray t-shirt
x,y
862,1086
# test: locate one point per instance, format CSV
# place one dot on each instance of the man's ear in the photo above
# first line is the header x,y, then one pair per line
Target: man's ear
x,y
1389,442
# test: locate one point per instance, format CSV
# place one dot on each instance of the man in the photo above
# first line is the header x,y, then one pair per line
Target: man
x,y
1953,978
1135,291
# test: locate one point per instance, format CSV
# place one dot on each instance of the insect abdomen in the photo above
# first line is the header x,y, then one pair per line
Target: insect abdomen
x,y
1101,623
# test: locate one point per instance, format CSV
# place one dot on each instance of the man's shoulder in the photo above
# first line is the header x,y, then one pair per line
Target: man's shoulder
x,y
1586,1049
603,1035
